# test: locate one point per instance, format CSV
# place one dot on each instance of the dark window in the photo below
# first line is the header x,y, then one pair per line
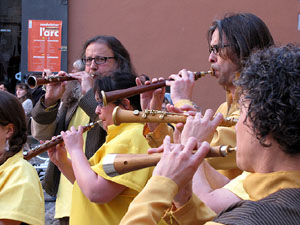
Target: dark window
x,y
10,41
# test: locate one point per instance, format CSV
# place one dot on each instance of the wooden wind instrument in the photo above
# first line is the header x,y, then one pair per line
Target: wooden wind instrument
x,y
155,116
117,164
111,96
58,139
34,81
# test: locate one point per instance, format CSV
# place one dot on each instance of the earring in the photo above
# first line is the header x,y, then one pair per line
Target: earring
x,y
6,146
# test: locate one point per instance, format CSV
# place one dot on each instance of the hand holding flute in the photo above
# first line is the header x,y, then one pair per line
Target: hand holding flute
x,y
181,88
152,99
73,141
55,84
194,130
118,164
55,140
120,115
181,85
54,91
180,165
58,154
201,127
128,92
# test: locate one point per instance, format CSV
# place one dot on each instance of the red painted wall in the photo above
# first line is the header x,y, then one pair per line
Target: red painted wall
x,y
165,36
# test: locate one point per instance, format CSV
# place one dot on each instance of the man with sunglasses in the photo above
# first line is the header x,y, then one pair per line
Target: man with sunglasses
x,y
72,103
231,40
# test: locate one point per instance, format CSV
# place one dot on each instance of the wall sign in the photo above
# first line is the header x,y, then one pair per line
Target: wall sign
x,y
44,45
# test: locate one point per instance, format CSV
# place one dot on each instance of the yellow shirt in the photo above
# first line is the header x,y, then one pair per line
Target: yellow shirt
x,y
236,186
156,138
21,194
126,138
225,136
64,193
156,199
260,185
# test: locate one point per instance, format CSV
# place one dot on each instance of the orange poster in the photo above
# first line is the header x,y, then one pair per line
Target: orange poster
x,y
44,44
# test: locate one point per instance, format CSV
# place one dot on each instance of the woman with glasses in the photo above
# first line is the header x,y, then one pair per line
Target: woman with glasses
x,y
96,197
72,103
21,194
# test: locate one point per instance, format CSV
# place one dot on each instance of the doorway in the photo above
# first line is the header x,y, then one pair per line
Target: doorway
x,y
10,42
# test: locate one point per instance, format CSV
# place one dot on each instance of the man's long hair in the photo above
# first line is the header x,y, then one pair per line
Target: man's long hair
x,y
244,32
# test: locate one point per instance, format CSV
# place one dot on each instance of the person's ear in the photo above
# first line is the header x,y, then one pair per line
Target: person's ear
x,y
126,103
9,130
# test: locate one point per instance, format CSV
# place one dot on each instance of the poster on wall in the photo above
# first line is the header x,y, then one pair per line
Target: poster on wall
x,y
44,45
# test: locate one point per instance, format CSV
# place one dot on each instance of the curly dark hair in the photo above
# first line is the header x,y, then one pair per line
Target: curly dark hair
x,y
11,111
270,83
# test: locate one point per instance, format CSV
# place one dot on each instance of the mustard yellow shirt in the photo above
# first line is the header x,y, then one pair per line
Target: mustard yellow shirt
x,y
64,193
236,186
126,138
21,194
156,138
156,199
225,136
260,185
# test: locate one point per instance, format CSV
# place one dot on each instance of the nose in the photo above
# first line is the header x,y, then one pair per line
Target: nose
x,y
93,61
212,58
93,64
98,110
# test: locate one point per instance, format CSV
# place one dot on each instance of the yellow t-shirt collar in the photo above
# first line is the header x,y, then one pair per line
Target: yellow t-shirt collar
x,y
260,185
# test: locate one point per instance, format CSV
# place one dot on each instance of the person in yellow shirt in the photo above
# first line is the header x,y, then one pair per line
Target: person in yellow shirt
x,y
268,140
231,40
96,197
21,194
72,103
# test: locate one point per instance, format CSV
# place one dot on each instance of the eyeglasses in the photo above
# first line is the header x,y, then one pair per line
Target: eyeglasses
x,y
216,48
98,60
100,103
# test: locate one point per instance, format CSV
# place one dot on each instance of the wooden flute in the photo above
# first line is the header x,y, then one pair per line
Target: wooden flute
x,y
117,164
36,80
58,139
111,96
154,116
